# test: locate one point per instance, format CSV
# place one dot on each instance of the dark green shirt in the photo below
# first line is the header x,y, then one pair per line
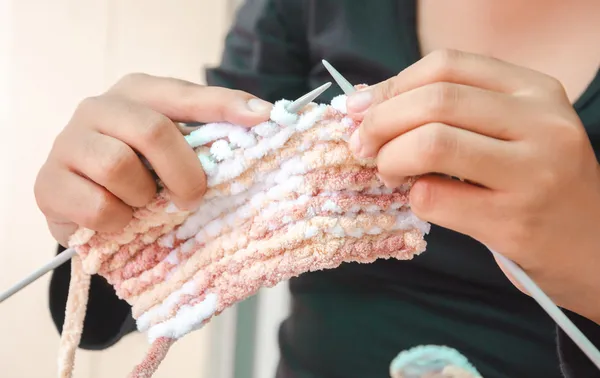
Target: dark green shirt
x,y
350,322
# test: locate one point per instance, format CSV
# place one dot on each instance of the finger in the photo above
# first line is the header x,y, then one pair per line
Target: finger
x,y
185,129
112,164
184,101
454,204
482,111
61,231
461,68
157,138
64,197
443,149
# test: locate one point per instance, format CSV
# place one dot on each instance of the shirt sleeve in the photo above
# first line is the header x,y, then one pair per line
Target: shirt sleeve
x,y
266,51
574,363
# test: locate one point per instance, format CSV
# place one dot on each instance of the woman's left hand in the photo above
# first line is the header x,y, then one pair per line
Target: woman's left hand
x,y
513,132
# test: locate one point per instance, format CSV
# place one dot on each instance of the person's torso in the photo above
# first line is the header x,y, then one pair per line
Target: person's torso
x,y
350,322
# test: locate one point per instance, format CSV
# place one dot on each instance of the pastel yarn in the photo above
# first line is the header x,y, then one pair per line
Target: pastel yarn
x,y
432,361
284,198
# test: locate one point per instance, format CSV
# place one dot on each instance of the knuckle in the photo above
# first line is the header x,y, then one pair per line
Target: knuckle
x,y
86,106
433,145
554,86
116,163
98,213
128,80
546,182
154,128
444,62
385,90
443,99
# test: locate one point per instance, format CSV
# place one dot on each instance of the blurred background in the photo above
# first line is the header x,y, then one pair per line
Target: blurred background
x,y
52,55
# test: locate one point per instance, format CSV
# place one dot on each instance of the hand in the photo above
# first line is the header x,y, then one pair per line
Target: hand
x,y
93,176
532,182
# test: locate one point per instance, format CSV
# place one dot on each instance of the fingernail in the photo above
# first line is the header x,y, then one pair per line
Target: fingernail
x,y
354,143
259,106
359,101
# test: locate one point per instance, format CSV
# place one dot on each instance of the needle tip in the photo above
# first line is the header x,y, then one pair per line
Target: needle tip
x,y
295,106
344,84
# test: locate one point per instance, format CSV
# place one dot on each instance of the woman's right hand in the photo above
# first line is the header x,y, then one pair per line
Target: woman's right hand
x,y
93,175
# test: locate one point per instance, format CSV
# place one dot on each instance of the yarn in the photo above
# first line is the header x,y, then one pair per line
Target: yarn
x,y
284,198
432,361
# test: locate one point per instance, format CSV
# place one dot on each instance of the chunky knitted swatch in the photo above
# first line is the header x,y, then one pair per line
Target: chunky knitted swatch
x,y
432,361
284,197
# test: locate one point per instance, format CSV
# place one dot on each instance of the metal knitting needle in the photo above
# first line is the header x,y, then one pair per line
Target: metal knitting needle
x,y
295,106
57,261
346,86
530,286
551,309
67,254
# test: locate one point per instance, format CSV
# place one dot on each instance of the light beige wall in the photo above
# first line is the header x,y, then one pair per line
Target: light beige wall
x,y
61,51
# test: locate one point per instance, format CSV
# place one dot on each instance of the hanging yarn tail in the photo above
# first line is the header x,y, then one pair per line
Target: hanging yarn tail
x,y
74,316
156,353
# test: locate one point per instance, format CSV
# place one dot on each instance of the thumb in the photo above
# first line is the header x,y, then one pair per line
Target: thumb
x,y
366,97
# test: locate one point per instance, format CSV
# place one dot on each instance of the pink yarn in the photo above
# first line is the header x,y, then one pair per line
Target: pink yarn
x,y
284,198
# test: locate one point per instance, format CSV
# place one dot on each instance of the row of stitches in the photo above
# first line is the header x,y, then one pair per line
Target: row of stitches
x,y
102,248
256,249
271,217
206,224
230,286
108,243
129,251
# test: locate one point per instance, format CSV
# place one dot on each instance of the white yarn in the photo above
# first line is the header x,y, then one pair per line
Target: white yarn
x,y
270,192
339,103
221,150
187,319
280,115
143,322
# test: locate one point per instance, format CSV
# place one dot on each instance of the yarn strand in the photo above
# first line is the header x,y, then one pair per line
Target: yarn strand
x,y
74,316
156,354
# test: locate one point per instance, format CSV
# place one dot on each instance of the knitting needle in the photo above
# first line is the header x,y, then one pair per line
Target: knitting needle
x,y
551,309
339,79
530,286
295,106
67,254
60,259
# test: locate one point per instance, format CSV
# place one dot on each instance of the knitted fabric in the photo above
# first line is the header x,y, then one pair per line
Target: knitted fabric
x,y
284,197
432,361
